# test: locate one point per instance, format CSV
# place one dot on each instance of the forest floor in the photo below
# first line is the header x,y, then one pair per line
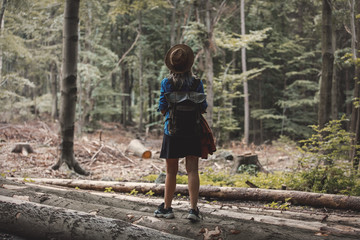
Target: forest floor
x,y
104,153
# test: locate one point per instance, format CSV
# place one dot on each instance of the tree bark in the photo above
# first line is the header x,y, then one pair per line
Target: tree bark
x,y
209,68
228,193
141,87
1,50
173,23
38,221
2,11
69,88
327,65
54,90
244,69
334,83
356,111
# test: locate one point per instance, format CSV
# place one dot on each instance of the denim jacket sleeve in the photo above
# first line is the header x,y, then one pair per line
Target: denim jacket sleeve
x,y
163,105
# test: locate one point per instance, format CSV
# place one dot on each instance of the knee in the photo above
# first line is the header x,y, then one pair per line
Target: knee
x,y
171,171
192,165
171,166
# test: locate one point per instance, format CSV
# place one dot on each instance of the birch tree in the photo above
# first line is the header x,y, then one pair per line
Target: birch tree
x,y
244,69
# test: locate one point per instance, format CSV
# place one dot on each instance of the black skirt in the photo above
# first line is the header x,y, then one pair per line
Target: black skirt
x,y
180,146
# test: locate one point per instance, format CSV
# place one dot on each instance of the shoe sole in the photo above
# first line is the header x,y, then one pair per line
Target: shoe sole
x,y
168,216
193,218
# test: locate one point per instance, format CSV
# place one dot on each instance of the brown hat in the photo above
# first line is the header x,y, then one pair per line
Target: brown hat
x,y
179,58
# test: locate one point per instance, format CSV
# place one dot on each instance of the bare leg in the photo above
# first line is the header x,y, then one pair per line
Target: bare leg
x,y
172,165
192,168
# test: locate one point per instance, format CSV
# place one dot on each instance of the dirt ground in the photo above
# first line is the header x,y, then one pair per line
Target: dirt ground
x,y
104,153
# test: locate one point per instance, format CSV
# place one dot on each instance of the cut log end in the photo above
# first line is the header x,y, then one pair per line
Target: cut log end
x,y
136,147
146,154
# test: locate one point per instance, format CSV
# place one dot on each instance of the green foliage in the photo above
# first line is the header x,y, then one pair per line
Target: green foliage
x,y
251,169
234,42
13,102
212,178
133,192
195,35
325,165
109,190
150,178
280,205
132,7
150,193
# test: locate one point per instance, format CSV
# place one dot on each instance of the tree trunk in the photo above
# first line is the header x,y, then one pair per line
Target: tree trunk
x,y
54,90
244,69
334,83
209,65
38,221
224,193
68,87
126,94
356,111
327,65
348,103
2,11
1,50
141,87
173,24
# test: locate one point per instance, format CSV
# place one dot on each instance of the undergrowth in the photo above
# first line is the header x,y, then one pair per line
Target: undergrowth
x,y
297,180
210,177
324,166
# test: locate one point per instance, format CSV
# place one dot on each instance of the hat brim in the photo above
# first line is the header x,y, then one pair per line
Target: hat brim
x,y
188,63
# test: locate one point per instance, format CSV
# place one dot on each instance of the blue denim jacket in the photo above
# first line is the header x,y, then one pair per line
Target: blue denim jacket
x,y
163,104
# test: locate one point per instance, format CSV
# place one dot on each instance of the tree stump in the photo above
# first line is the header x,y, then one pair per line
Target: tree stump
x,y
23,148
247,160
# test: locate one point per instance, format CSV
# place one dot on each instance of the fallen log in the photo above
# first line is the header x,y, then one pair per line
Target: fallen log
x,y
136,147
227,193
139,210
38,221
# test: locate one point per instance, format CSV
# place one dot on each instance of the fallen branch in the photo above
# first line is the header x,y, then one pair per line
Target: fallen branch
x,y
122,154
250,184
228,193
153,165
93,158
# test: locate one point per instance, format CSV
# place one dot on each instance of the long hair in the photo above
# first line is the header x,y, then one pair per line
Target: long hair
x,y
181,79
